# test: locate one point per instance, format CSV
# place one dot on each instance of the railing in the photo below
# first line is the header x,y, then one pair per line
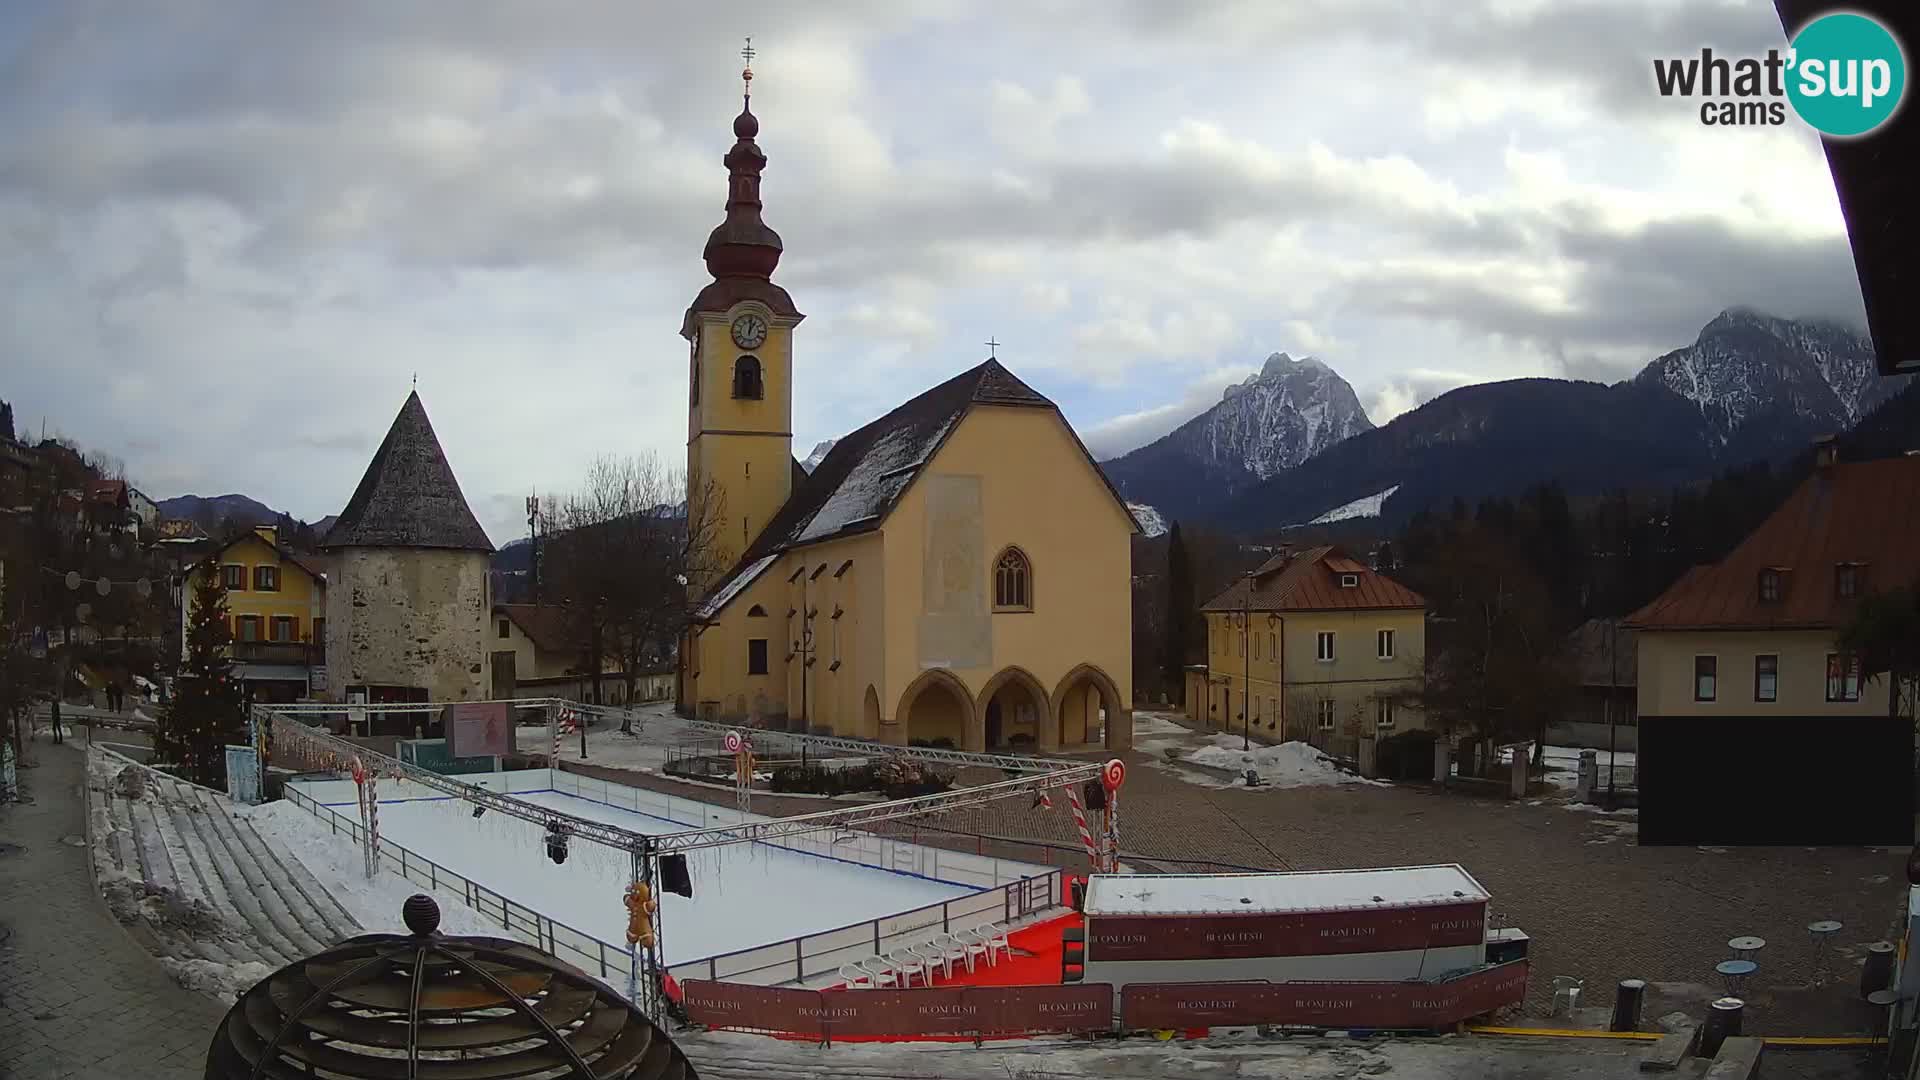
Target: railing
x,y
277,652
810,956
610,962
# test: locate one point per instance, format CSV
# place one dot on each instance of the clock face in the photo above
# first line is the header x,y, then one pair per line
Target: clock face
x,y
749,331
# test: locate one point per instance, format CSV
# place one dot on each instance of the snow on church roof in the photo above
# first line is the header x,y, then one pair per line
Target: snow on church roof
x,y
853,488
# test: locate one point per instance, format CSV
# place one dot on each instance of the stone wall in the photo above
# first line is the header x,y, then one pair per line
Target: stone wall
x,y
409,617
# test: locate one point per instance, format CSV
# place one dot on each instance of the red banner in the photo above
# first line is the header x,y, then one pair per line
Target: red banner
x,y
479,729
1318,933
959,1010
1158,1006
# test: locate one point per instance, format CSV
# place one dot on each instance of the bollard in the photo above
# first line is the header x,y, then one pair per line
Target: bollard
x,y
1627,999
1877,972
1723,1022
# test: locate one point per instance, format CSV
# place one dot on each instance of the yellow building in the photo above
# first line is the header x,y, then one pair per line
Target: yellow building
x,y
956,572
535,652
276,611
1312,646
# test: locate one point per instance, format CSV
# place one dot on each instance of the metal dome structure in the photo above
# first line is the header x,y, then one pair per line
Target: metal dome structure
x,y
425,1005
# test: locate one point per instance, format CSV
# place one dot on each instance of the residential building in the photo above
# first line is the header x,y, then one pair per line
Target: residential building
x,y
1753,635
955,572
276,611
1604,658
409,604
537,652
1314,645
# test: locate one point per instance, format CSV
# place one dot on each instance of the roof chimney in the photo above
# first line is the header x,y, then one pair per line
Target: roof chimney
x,y
1826,451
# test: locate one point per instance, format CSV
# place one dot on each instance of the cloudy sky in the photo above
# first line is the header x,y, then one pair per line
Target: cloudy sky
x,y
231,234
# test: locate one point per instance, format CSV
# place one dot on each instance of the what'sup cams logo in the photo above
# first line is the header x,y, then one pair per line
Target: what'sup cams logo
x,y
1843,74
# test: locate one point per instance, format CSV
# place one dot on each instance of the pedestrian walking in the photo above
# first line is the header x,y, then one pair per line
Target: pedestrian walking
x,y
58,736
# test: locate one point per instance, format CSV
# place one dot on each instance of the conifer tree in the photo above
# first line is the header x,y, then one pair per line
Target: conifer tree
x,y
205,712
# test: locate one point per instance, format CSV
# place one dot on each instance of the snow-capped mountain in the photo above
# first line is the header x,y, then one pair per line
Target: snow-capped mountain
x,y
1746,366
812,461
1279,417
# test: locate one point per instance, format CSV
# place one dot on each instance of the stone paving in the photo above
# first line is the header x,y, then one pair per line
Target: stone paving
x,y
78,997
1598,907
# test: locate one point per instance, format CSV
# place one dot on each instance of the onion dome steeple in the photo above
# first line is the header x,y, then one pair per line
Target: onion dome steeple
x,y
743,245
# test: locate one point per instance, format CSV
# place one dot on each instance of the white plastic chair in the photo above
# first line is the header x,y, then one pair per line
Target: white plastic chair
x,y
936,959
879,974
994,937
906,964
854,976
955,949
1567,989
972,945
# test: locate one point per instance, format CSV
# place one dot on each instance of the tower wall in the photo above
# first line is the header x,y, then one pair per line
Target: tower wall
x,y
409,617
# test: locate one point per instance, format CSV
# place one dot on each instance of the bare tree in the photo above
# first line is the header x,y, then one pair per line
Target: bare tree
x,y
624,552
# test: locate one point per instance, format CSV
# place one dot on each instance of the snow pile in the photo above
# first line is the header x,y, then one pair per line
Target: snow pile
x,y
224,981
337,864
1289,765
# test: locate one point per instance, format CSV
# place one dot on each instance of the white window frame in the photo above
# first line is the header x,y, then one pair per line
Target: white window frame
x,y
1715,696
1326,714
1383,714
1349,581
1324,647
1383,643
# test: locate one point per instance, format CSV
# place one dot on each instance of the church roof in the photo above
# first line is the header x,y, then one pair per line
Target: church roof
x,y
408,497
863,477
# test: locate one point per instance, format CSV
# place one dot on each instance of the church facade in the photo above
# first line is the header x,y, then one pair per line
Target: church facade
x,y
956,572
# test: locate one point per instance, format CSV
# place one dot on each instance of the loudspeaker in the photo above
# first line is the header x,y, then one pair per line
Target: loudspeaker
x,y
674,877
1095,794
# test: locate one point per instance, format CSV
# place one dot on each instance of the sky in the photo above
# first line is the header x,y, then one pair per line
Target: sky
x,y
233,235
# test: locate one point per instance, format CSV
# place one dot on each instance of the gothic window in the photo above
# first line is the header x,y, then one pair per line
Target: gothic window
x,y
756,612
1012,581
746,378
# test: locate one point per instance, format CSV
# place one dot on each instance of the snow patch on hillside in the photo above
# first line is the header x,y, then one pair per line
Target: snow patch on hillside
x,y
1149,519
1365,507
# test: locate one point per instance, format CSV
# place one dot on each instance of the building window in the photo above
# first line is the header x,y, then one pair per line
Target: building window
x,y
1383,713
1769,586
504,632
266,579
1349,581
1273,711
248,627
284,628
756,612
1323,711
1384,644
746,378
1256,646
1013,581
1766,678
1843,677
1256,710
320,632
1846,580
1706,678
757,656
1323,646
234,576
1273,646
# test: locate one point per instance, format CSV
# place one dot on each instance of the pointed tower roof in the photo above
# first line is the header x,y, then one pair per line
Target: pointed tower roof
x,y
408,497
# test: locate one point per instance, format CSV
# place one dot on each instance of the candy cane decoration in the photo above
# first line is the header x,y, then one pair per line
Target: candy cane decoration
x,y
1080,820
1112,776
373,829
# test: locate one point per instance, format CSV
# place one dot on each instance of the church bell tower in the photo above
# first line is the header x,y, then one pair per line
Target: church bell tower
x,y
739,332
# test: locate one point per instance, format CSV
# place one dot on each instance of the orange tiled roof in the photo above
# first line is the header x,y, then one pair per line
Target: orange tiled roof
x,y
1310,581
1865,513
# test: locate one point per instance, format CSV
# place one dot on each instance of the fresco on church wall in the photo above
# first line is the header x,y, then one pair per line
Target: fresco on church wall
x,y
954,627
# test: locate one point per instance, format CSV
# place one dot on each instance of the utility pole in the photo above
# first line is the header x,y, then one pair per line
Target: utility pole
x,y
533,541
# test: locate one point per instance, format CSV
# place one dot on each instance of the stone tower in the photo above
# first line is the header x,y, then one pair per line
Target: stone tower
x,y
408,603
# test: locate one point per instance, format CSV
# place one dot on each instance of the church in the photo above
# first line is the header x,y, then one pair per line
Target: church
x,y
955,573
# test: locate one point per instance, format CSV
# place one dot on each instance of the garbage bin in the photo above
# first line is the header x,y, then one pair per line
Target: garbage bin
x,y
1877,972
1723,1022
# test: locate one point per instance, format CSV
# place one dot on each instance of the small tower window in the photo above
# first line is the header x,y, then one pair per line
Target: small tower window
x,y
746,378
1770,586
1846,580
1013,581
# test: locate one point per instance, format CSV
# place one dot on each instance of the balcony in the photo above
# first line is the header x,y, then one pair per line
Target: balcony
x,y
278,652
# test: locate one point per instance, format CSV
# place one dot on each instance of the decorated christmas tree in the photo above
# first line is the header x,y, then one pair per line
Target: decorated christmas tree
x,y
205,712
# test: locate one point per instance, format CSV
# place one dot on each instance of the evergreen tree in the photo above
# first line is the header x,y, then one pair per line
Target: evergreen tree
x,y
1182,612
1884,633
205,712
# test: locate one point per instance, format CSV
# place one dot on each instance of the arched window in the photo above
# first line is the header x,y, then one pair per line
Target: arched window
x,y
746,378
756,612
1013,581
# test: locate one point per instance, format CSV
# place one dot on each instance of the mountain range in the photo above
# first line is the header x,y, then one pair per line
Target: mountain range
x,y
1750,387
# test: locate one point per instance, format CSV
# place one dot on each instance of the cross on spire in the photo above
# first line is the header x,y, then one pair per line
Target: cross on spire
x,y
746,73
992,349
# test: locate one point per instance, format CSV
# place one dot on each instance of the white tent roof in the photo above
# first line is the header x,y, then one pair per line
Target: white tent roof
x,y
1281,893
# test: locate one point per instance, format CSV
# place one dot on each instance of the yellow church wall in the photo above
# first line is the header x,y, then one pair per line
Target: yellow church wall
x,y
745,445
1008,476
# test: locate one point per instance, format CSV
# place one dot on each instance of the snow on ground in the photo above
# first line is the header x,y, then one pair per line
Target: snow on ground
x,y
224,981
1288,765
1365,507
744,894
1152,725
336,862
1563,765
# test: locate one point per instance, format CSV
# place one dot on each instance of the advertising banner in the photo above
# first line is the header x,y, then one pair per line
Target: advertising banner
x,y
1315,933
1159,1006
479,729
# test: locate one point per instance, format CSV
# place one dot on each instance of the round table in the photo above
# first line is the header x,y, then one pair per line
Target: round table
x,y
1882,1000
1735,972
1745,946
1820,932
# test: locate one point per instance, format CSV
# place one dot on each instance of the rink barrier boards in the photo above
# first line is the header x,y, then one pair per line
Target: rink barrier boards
x,y
1007,892
1002,1011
